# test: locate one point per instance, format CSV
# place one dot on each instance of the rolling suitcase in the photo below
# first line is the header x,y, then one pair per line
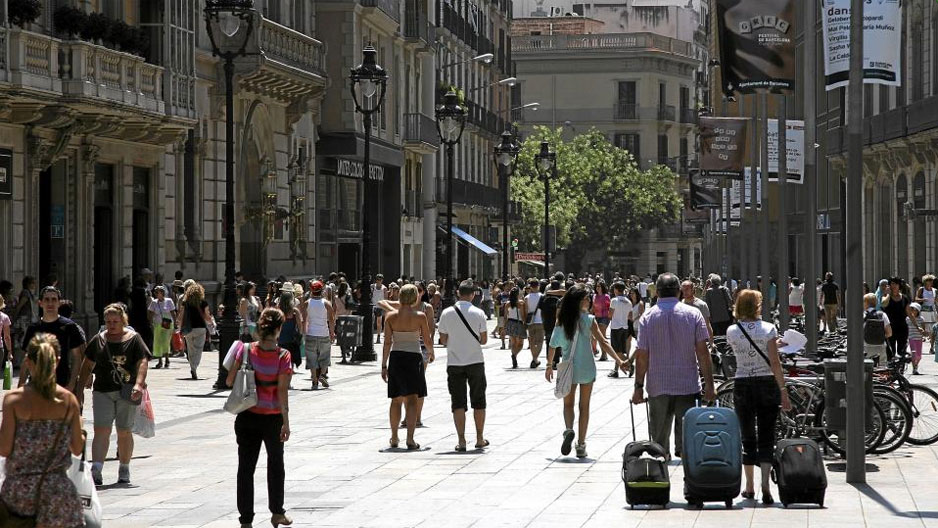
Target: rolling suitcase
x,y
712,456
798,470
645,471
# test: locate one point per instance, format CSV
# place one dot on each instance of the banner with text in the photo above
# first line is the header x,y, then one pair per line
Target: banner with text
x,y
757,45
723,144
794,141
882,32
705,190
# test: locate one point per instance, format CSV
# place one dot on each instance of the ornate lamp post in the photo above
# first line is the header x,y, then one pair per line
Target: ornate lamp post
x,y
368,83
450,122
547,162
505,154
234,19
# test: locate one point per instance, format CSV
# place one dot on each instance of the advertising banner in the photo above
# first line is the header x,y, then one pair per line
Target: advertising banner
x,y
6,174
882,32
705,190
757,45
723,144
794,141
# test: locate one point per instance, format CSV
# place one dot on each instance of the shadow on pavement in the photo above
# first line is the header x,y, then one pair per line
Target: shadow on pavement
x,y
868,490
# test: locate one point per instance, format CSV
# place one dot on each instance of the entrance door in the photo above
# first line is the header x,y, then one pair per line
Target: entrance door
x,y
141,221
349,256
104,279
52,225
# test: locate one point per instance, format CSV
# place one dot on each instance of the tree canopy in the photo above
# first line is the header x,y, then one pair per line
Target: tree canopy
x,y
597,193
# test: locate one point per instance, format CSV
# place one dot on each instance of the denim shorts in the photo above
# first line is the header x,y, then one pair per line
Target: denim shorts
x,y
318,352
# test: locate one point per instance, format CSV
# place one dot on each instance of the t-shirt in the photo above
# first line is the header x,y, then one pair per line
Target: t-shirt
x,y
601,305
719,302
913,329
121,366
749,363
643,289
549,305
829,291
161,310
701,305
70,336
532,300
194,317
268,365
621,308
462,349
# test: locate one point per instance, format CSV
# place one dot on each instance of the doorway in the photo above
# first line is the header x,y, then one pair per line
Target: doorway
x,y
52,225
349,256
104,279
140,253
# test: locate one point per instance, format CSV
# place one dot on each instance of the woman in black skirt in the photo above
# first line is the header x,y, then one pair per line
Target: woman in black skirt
x,y
402,362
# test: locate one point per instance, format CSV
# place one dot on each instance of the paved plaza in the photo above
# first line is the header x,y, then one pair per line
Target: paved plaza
x,y
339,472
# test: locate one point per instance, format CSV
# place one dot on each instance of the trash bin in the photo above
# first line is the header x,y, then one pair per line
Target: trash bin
x,y
835,392
348,335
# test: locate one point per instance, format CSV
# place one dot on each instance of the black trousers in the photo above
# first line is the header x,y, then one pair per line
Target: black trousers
x,y
757,403
720,328
897,343
252,429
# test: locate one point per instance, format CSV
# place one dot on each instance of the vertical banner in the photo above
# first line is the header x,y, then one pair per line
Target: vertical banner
x,y
757,44
723,146
882,31
794,150
705,191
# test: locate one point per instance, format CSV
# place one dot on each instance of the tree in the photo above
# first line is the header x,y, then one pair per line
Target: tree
x,y
597,193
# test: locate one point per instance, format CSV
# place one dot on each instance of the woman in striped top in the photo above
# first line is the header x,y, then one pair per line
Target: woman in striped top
x,y
267,422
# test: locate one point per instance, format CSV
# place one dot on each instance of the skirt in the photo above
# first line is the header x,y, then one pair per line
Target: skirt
x,y
405,375
161,339
928,316
517,329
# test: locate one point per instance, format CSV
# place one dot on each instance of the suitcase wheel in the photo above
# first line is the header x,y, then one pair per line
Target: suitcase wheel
x,y
729,504
785,505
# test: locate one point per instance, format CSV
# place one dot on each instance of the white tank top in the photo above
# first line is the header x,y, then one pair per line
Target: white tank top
x,y
928,296
514,313
317,319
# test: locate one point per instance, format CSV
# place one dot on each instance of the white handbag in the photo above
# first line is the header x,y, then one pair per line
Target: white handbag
x,y
80,475
244,391
565,369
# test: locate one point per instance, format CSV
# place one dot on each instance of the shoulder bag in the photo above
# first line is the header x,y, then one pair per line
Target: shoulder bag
x,y
126,389
531,314
465,322
753,343
565,369
244,391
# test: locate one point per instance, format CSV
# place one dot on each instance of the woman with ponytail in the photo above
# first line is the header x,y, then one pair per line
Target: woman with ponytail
x,y
45,420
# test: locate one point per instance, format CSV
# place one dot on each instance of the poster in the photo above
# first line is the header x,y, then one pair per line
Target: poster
x,y
882,33
794,141
705,190
723,142
738,188
757,45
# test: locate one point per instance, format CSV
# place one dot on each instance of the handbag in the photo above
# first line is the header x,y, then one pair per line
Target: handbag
x,y
244,391
126,389
80,475
565,369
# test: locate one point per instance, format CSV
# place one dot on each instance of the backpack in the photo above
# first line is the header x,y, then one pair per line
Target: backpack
x,y
874,329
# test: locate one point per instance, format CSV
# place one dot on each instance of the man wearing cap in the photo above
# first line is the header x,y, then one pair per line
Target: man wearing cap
x,y
319,335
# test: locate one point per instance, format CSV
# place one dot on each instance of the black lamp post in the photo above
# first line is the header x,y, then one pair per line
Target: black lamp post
x,y
368,85
235,20
450,122
505,154
546,161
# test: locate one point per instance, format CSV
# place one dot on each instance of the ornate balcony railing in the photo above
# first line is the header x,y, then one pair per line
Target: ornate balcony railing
x,y
392,8
416,23
666,113
421,128
90,70
601,41
626,111
292,48
688,115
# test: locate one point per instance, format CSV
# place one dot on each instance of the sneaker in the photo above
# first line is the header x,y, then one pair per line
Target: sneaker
x,y
535,364
916,372
315,385
123,474
192,371
324,382
614,374
581,450
567,442
96,476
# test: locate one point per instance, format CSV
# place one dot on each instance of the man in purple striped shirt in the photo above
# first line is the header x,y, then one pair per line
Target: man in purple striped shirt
x,y
672,351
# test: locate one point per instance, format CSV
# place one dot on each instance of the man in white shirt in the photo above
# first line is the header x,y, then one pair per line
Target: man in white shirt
x,y
620,313
643,288
319,334
378,294
463,331
536,322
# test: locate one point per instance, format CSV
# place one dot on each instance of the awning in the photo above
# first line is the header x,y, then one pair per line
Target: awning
x,y
532,263
473,241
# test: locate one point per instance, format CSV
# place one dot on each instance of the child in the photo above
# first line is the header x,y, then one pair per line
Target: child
x,y
916,330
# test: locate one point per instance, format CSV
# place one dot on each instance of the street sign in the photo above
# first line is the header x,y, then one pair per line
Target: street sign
x,y
539,257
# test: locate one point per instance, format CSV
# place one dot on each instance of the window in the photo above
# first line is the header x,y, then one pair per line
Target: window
x,y
683,151
299,17
626,108
662,95
629,142
685,97
662,149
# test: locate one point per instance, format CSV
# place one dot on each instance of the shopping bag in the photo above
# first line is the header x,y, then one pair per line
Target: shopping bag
x,y
8,375
145,423
80,475
177,343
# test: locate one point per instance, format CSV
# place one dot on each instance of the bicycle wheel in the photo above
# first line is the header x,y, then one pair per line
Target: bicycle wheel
x,y
924,402
875,430
898,422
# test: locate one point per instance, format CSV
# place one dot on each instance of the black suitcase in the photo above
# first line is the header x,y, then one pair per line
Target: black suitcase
x,y
798,470
645,471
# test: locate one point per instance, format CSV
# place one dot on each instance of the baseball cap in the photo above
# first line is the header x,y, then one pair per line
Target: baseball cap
x,y
316,287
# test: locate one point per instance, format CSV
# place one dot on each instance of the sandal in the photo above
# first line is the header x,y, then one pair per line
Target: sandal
x,y
413,447
748,495
483,445
460,448
394,443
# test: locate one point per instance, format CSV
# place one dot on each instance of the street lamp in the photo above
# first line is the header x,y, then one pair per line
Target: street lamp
x,y
450,122
368,83
485,58
507,81
546,161
234,20
505,155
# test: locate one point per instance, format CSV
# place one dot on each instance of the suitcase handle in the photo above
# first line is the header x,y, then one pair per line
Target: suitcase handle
x,y
647,419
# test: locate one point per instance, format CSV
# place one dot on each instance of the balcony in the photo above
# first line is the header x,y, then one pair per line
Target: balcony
x,y
475,194
416,24
666,112
292,49
626,111
391,8
670,163
94,71
420,133
688,116
601,42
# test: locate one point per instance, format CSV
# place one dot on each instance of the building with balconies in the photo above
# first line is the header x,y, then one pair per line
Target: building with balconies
x,y
112,153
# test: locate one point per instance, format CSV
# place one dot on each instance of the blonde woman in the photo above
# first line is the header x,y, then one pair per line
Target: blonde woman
x,y
193,321
45,420
117,357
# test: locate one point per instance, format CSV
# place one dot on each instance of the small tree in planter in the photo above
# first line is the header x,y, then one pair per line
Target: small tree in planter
x,y
118,35
22,12
96,27
69,20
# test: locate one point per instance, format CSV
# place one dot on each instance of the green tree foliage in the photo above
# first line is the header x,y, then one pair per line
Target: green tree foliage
x,y
597,193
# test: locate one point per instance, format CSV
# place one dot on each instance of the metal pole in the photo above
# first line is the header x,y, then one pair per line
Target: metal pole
x,y
783,271
856,456
810,173
230,325
753,200
744,246
505,255
450,172
547,223
366,351
764,254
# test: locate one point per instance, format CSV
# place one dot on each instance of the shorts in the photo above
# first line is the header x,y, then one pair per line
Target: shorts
x,y
536,336
109,408
603,321
457,377
795,310
620,338
318,352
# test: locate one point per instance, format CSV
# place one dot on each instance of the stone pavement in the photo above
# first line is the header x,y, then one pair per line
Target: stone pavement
x,y
340,474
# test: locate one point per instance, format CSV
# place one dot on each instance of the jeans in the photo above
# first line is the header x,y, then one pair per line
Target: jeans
x,y
664,410
757,406
252,429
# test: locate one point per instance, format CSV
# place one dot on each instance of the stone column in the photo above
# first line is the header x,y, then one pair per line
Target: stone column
x,y
88,156
429,165
198,173
179,152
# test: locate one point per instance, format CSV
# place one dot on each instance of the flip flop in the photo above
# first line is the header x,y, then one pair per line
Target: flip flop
x,y
460,449
413,447
483,445
394,444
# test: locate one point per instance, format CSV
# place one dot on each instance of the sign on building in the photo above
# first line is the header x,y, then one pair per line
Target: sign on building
x,y
882,33
757,45
723,146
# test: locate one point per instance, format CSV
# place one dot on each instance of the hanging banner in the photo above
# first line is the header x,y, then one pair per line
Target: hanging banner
x,y
723,144
745,186
794,141
705,190
757,45
882,33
